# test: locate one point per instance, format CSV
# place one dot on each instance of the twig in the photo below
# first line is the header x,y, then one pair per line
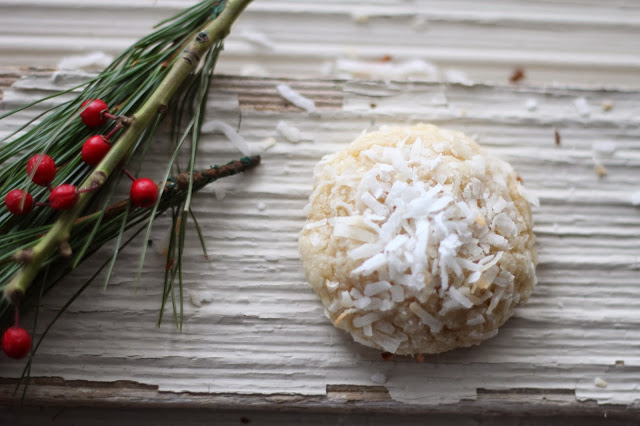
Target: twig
x,y
157,103
176,185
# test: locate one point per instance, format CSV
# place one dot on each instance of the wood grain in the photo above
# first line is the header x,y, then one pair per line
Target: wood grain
x,y
561,41
259,338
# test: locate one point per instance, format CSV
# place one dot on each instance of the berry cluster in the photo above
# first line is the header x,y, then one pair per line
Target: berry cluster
x,y
42,169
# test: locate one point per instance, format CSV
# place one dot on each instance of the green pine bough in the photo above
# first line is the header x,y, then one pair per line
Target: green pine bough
x,y
166,74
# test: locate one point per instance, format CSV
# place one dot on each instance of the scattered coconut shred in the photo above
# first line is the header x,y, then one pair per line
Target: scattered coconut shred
x,y
296,98
417,241
233,136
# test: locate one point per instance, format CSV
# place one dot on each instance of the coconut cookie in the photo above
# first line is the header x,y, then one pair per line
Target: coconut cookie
x,y
417,241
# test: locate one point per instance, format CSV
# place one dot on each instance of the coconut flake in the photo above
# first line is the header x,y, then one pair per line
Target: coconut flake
x,y
397,293
495,260
345,299
376,207
504,225
362,303
531,104
371,265
331,285
367,319
315,239
341,230
315,224
291,133
477,320
599,382
372,289
582,106
384,327
496,298
229,132
496,240
459,297
296,98
334,306
604,148
476,335
434,324
532,199
367,330
199,298
504,279
389,344
364,251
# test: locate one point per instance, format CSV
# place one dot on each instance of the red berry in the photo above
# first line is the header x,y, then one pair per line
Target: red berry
x,y
46,171
92,114
18,202
94,150
144,192
16,342
63,197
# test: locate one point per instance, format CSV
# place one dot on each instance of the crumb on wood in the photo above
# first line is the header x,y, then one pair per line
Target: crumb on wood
x,y
516,75
556,135
372,105
245,420
601,171
420,358
387,356
607,105
619,363
360,18
385,58
519,179
599,382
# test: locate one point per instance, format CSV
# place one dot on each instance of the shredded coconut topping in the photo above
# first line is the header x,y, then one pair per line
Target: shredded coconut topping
x,y
423,239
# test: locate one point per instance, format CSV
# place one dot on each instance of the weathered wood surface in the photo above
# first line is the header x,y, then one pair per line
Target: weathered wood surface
x,y
561,41
259,340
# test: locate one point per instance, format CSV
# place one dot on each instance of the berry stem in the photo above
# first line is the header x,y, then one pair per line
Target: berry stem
x,y
39,204
88,189
212,34
110,116
108,136
16,315
128,174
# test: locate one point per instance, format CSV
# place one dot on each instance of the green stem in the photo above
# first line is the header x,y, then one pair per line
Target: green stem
x,y
213,33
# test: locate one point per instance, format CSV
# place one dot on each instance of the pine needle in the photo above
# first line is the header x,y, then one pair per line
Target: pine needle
x,y
125,85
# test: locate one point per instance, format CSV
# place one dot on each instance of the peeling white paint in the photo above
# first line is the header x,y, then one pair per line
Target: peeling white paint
x,y
264,329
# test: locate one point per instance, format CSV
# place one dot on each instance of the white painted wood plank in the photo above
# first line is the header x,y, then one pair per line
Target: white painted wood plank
x,y
264,332
589,42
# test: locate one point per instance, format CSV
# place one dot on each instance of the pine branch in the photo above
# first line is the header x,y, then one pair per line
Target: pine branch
x,y
157,103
